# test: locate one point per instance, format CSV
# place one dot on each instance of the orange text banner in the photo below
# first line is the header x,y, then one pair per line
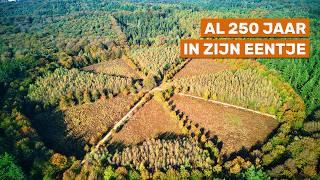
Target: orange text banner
x,y
262,48
297,27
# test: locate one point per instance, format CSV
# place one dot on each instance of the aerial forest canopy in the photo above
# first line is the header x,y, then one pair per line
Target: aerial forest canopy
x,y
95,89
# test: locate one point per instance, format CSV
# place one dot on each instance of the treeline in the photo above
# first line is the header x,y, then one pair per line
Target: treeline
x,y
187,126
79,53
150,26
303,74
75,87
164,154
184,158
288,104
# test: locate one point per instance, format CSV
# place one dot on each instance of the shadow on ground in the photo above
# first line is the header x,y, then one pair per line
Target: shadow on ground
x,y
52,129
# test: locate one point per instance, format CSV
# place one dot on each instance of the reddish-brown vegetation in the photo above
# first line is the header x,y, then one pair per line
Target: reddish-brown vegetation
x,y
235,128
91,120
202,66
149,122
70,130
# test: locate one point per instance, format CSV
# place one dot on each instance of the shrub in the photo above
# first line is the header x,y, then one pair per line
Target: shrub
x,y
253,173
109,173
134,175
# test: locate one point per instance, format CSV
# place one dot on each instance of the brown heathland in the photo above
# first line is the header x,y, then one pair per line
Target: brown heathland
x,y
69,131
202,66
90,121
150,121
234,127
116,67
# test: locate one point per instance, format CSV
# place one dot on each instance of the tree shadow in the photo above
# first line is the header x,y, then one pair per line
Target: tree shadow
x,y
169,136
120,145
312,116
259,144
215,140
52,129
114,146
245,152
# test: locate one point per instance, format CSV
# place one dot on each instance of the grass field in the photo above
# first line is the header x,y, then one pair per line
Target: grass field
x,y
116,67
150,121
201,66
234,127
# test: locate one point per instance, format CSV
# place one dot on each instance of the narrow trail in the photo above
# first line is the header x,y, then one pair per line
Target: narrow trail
x,y
229,105
121,122
125,46
125,118
118,124
121,35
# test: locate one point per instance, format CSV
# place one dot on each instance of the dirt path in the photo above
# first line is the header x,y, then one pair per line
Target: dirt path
x,y
125,46
121,35
118,124
124,118
229,105
121,122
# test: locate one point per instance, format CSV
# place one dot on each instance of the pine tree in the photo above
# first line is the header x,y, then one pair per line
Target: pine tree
x,y
86,97
63,104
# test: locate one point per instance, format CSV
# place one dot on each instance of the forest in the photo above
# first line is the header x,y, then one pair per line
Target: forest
x,y
153,65
213,86
75,86
84,72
